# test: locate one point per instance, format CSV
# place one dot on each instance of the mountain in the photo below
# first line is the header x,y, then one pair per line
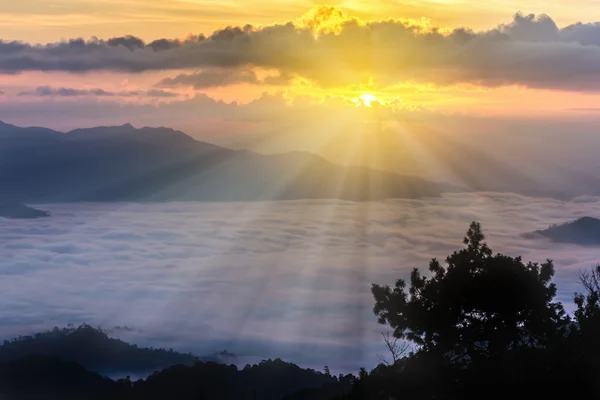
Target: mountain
x,y
94,350
39,377
21,211
584,231
16,133
122,163
270,379
127,133
67,363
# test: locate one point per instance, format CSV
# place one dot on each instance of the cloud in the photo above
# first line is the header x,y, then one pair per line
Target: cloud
x,y
48,91
286,279
218,77
332,49
161,93
44,91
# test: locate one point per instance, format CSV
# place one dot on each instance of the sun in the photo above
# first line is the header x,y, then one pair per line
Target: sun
x,y
367,99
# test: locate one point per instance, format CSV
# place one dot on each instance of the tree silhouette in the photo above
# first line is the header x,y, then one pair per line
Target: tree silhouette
x,y
396,350
587,317
587,314
478,305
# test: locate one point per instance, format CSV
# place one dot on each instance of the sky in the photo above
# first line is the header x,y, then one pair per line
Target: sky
x,y
63,61
262,280
356,82
43,21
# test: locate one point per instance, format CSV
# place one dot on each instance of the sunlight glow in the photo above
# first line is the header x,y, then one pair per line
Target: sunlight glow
x,y
367,99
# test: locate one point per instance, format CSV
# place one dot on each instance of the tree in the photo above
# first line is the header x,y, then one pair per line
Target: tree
x,y
585,346
478,305
587,314
396,350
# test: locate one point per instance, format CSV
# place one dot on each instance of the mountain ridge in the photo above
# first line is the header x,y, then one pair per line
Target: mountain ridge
x,y
124,163
584,231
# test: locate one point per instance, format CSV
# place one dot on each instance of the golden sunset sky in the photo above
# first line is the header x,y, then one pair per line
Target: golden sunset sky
x,y
44,20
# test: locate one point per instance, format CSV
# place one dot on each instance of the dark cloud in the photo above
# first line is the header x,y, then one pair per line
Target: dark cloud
x,y
131,42
218,77
160,93
48,91
530,51
211,78
134,43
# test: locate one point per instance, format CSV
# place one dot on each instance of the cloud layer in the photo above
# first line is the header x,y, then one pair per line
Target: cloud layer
x,y
287,279
334,50
49,91
218,77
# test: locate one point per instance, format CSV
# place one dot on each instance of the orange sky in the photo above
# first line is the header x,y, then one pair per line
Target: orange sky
x,y
43,21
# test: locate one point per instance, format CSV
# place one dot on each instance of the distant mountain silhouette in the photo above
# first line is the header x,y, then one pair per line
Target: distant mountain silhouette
x,y
20,211
584,231
270,379
57,364
122,163
93,349
40,377
37,377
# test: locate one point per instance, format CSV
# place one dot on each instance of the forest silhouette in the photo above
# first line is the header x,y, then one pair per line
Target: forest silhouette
x,y
478,325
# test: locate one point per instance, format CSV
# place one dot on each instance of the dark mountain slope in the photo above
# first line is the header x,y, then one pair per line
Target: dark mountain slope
x,y
58,363
584,231
39,377
20,211
93,349
159,164
272,379
8,131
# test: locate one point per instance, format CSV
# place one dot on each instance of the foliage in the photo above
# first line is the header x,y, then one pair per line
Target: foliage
x,y
478,305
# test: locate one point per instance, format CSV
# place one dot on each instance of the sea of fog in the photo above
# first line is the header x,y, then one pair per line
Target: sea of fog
x,y
262,280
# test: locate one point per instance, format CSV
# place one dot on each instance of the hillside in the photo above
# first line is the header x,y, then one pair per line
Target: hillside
x,y
67,363
93,349
160,164
584,231
40,377
20,211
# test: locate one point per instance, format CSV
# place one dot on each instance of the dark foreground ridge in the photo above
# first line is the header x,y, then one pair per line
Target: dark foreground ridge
x,y
122,163
479,325
73,363
20,211
93,349
42,377
584,231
